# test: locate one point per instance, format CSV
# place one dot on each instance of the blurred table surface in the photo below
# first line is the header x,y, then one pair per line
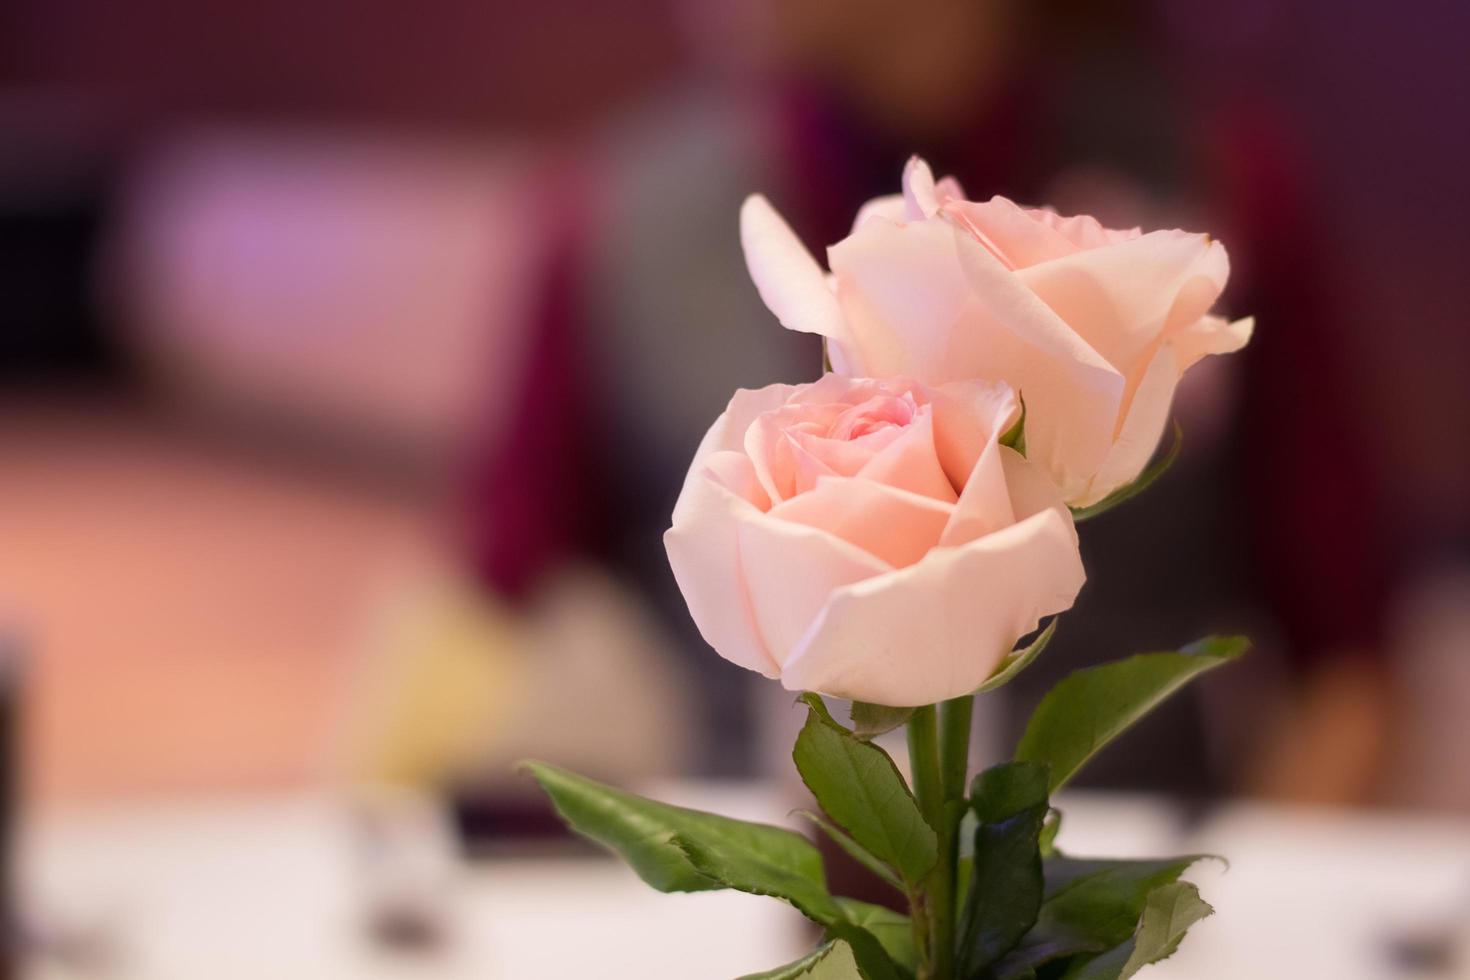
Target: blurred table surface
x,y
282,887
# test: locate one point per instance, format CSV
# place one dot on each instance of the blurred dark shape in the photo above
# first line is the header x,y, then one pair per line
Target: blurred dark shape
x,y
50,329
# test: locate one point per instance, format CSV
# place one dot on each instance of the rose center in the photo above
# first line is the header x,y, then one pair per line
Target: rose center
x,y
874,415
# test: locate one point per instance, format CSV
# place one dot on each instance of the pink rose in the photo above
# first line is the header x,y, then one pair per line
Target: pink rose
x,y
870,539
1093,326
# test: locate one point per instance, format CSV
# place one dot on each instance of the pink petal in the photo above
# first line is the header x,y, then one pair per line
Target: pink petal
x,y
911,462
1083,231
890,207
1211,335
704,552
985,505
897,526
746,405
1120,299
1142,427
789,570
968,417
788,279
1146,413
1072,395
903,294
1017,235
937,629
919,193
719,491
1031,488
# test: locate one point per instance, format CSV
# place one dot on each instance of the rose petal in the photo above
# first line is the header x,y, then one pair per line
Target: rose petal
x,y
1031,488
895,525
846,457
903,294
1211,335
1141,429
919,193
1083,230
789,280
703,546
968,417
720,490
789,571
1019,238
889,207
746,405
1121,298
1146,413
911,462
1072,395
937,629
985,504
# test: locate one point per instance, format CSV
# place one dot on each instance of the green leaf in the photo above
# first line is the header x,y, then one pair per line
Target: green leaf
x,y
1091,707
854,850
1144,481
1006,884
1167,916
872,720
761,874
1125,880
1090,906
860,788
829,961
676,849
1018,660
893,930
644,832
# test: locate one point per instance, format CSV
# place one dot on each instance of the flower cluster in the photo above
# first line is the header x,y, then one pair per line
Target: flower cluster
x,y
868,535
889,533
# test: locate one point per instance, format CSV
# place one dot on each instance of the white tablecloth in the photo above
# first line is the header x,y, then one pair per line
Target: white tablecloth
x,y
276,889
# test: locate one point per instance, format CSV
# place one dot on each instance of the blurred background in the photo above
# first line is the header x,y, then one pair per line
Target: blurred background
x,y
351,357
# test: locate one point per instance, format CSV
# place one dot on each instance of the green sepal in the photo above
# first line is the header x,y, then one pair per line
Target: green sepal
x,y
871,720
1015,436
1018,660
1144,481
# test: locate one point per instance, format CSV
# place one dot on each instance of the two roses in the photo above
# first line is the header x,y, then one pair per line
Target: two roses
x,y
868,536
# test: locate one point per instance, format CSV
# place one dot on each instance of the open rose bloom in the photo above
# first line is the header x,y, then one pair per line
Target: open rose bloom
x,y
871,539
1094,326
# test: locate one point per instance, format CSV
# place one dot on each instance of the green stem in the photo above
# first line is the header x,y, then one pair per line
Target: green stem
x,y
955,718
939,755
954,744
937,890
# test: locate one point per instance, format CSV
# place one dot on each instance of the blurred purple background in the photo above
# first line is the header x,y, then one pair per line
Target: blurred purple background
x,y
351,356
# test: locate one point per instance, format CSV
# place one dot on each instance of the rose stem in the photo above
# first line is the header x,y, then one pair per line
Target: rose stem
x,y
938,887
954,763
